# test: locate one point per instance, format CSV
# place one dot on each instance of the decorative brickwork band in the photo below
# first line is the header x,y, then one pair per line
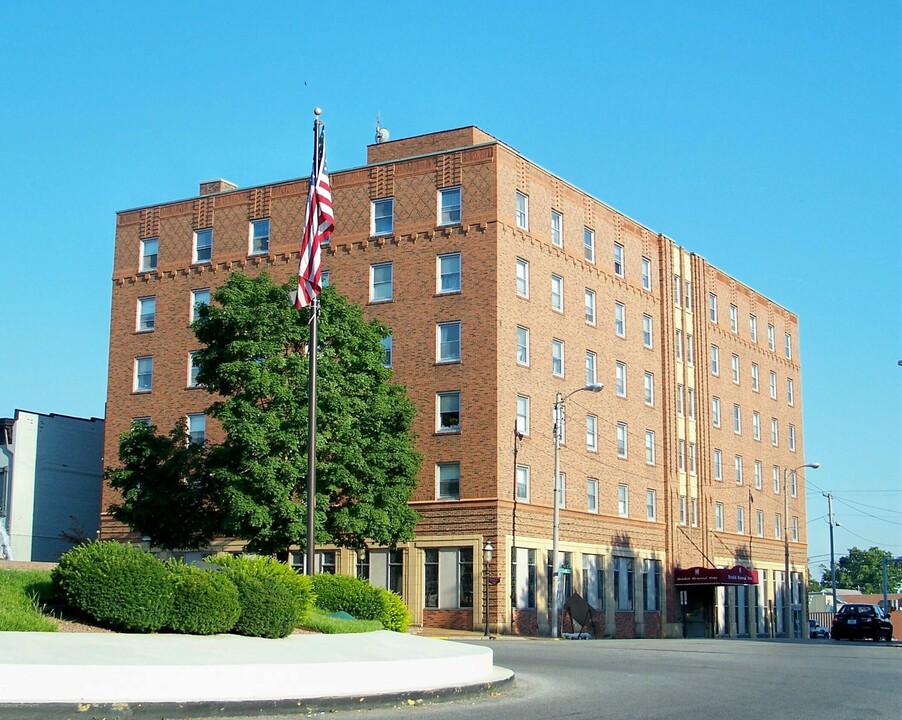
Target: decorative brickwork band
x,y
203,213
382,181
150,222
260,205
447,170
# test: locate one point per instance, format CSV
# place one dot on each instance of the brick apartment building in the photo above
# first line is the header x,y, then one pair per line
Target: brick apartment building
x,y
504,285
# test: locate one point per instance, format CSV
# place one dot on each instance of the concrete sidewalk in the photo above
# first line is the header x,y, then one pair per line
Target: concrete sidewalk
x,y
63,675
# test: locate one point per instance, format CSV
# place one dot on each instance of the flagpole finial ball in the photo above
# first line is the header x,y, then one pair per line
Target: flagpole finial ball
x,y
317,111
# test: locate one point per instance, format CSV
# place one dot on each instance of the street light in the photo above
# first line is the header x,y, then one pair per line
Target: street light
x,y
787,591
486,561
556,512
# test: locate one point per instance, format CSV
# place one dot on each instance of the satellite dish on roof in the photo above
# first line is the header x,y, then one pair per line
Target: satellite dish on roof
x,y
381,132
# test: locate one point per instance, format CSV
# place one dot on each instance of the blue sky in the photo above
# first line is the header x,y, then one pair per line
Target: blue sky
x,y
763,136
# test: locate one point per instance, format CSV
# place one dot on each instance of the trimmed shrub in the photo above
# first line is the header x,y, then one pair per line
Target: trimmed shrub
x,y
395,615
116,584
205,603
336,593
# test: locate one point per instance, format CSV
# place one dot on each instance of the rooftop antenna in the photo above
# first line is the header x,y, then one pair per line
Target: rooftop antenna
x,y
381,132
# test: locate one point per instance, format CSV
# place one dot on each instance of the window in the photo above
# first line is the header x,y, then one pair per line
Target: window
x,y
198,298
448,273
387,343
737,463
647,331
593,580
381,282
448,480
591,373
145,421
734,368
620,379
592,495
193,370
715,360
557,358
649,387
325,279
646,274
680,400
693,507
590,306
715,411
775,474
681,455
718,464
203,245
740,519
382,217
737,419
589,245
795,528
790,392
773,385
759,523
793,483
623,501
778,526
712,307
755,377
523,578
557,293
734,318
678,344
677,290
448,412
591,433
557,229
449,206
618,259
774,432
718,516
692,458
522,345
143,374
682,509
197,428
259,237
759,475
620,319
448,577
147,314
771,338
649,447
621,440
623,583
792,437
449,342
690,350
756,425
690,403
787,346
149,254
523,483
651,505
523,415
522,211
522,278
753,328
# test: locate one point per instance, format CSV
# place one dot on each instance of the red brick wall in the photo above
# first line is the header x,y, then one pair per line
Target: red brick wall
x,y
652,624
524,622
450,619
625,625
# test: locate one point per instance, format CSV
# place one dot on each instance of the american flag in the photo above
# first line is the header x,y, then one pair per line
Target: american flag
x,y
318,225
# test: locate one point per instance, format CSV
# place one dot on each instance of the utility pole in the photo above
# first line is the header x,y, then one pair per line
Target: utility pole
x,y
829,496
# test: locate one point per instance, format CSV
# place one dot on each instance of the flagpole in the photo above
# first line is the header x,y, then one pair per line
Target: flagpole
x,y
311,387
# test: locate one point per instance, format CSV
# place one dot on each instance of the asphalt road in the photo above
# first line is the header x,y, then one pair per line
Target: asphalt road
x,y
679,679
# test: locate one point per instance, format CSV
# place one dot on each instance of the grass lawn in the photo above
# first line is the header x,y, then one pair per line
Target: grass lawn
x,y
21,591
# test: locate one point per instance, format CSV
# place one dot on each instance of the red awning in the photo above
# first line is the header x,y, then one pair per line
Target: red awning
x,y
737,575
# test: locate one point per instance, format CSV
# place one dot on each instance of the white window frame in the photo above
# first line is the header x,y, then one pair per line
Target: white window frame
x,y
775,432
590,307
196,428
775,475
447,481
618,259
557,228
794,525
522,210
447,269
737,419
734,368
622,435
522,277
740,520
790,392
143,369
382,287
450,204
787,345
445,344
715,411
648,385
649,447
690,403
651,505
196,301
771,338
523,483
753,328
382,222
258,236
592,495
148,261
193,370
718,464
619,319
690,349
759,523
589,245
792,437
592,433
778,526
678,344
557,293
773,385
715,361
620,379
693,455
759,475
146,318
646,274
681,455
737,468
623,500
202,247
557,357
756,425
718,516
712,308
734,318
445,405
677,290
755,378
591,368
522,345
647,331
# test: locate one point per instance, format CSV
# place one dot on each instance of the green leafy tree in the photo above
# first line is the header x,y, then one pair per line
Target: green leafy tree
x,y
167,494
254,358
864,569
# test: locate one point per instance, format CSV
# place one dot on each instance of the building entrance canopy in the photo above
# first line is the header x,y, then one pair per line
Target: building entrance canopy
x,y
737,575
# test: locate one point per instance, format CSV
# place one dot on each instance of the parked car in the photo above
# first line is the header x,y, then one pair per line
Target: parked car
x,y
856,620
816,630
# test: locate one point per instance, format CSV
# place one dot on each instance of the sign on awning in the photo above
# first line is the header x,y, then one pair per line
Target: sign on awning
x,y
737,575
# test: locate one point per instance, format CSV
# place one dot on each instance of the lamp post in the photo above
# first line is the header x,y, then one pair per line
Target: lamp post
x,y
556,510
787,585
486,561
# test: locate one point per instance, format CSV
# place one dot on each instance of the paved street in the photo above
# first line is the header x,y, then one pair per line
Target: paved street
x,y
681,679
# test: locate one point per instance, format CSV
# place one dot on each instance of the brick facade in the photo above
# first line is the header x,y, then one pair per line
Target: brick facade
x,y
488,377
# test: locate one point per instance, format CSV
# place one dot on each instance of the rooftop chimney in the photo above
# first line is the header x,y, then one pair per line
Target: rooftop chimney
x,y
211,187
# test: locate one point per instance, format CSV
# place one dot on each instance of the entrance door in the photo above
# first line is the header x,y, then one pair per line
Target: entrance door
x,y
698,612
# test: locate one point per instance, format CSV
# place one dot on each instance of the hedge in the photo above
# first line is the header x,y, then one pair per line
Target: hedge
x,y
206,602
